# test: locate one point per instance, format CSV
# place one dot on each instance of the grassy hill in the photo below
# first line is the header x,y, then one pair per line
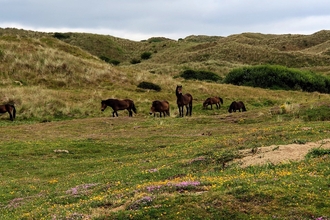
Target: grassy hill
x,y
62,158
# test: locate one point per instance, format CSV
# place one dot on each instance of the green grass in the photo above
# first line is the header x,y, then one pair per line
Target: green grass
x,y
134,168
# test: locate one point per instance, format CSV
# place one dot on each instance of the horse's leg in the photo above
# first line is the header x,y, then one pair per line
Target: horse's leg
x,y
181,115
187,110
211,107
10,115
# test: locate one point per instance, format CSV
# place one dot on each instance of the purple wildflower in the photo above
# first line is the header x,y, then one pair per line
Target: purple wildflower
x,y
80,189
153,188
152,170
187,184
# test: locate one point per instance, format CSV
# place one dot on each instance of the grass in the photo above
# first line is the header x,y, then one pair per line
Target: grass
x,y
128,168
62,158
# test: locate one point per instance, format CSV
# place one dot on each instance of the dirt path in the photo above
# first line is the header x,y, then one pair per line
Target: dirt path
x,y
277,154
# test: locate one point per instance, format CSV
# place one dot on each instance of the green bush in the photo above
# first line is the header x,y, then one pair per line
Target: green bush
x,y
278,77
149,85
108,60
200,75
135,61
61,36
317,152
146,55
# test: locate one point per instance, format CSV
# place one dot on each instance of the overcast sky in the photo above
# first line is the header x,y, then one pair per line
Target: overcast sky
x,y
142,19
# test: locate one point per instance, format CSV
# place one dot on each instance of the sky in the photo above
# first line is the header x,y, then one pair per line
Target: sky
x,y
142,19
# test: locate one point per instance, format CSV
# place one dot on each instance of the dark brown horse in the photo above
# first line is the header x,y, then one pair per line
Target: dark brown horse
x,y
234,106
10,109
211,101
161,107
117,104
183,100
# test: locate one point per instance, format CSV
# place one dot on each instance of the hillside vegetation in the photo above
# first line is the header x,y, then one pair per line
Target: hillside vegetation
x,y
62,158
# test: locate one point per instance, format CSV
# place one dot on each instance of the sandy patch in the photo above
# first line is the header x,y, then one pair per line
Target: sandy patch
x,y
277,154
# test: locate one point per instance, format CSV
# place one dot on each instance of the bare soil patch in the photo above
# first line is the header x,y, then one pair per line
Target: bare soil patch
x,y
276,154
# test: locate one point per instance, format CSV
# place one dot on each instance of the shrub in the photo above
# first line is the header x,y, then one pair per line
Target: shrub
x,y
135,61
200,75
149,85
108,60
146,55
105,58
61,36
317,152
278,77
115,62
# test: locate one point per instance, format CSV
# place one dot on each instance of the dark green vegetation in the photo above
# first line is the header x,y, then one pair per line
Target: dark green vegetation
x,y
149,85
200,75
278,77
62,158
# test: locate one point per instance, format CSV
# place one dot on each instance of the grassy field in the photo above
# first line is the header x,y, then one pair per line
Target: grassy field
x,y
62,158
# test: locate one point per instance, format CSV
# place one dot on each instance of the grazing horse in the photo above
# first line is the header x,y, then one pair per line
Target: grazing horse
x,y
236,106
10,109
161,107
211,101
183,100
117,104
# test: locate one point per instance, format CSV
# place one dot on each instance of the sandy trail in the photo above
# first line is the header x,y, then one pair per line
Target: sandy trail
x,y
277,154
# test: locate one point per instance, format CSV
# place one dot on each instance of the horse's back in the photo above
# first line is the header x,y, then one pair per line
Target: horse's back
x,y
160,105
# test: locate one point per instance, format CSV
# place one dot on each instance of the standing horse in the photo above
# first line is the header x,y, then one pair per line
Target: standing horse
x,y
236,106
183,100
211,101
10,109
117,104
161,107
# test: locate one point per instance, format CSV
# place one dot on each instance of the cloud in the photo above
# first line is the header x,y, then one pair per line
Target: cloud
x,y
138,20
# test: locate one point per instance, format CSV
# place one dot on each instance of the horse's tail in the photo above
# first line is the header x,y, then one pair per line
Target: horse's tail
x,y
14,111
221,100
133,107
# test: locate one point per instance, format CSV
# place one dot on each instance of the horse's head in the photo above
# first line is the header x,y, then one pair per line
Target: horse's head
x,y
205,103
103,105
178,89
152,110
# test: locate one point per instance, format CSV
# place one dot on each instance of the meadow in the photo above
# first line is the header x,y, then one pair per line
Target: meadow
x,y
62,158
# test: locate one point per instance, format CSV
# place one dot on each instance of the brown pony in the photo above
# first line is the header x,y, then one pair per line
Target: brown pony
x,y
161,107
211,101
234,106
10,109
183,100
117,104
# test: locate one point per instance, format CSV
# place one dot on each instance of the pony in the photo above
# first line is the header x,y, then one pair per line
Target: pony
x,y
10,109
183,100
118,104
211,101
161,107
236,106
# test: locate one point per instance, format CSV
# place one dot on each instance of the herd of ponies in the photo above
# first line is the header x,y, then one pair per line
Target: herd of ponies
x,y
163,107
